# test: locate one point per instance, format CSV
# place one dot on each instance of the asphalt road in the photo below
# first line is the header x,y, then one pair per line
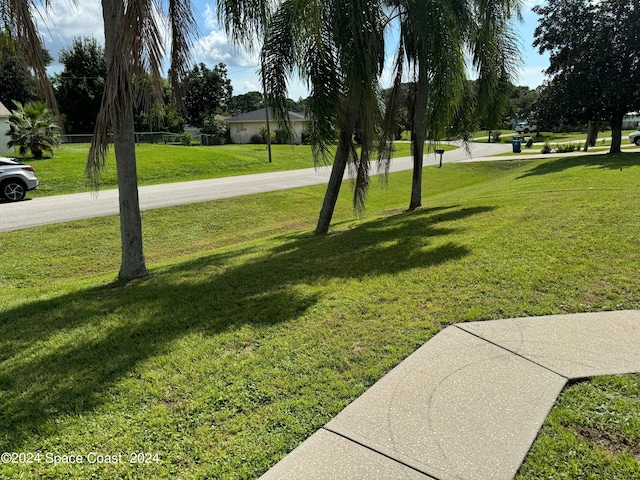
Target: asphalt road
x,y
65,208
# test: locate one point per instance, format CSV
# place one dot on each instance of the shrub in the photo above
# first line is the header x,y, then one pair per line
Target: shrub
x,y
565,147
33,128
546,148
215,131
495,137
186,139
256,138
529,142
263,134
282,137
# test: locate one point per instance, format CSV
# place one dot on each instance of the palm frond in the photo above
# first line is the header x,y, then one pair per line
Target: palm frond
x,y
183,29
278,61
244,21
17,18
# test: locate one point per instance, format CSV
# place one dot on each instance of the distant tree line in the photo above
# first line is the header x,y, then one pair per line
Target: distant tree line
x,y
206,92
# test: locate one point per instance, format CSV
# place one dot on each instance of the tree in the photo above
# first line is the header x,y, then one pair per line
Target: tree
x,y
18,32
160,115
522,102
16,80
33,128
246,102
206,92
339,48
80,85
133,48
435,39
593,60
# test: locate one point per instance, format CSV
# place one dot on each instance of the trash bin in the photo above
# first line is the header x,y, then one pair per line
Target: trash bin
x,y
516,143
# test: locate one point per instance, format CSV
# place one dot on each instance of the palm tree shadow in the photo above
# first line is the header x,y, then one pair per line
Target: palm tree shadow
x,y
606,161
132,323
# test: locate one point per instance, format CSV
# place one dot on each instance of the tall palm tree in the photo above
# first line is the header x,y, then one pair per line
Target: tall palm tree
x,y
436,37
338,47
134,49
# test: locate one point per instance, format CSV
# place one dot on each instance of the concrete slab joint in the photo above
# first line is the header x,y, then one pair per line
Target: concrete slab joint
x,y
469,403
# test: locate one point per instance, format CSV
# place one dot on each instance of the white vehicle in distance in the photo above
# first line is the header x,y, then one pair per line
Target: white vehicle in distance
x,y
634,137
524,127
16,179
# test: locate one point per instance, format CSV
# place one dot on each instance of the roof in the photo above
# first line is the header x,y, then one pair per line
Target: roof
x,y
4,111
260,116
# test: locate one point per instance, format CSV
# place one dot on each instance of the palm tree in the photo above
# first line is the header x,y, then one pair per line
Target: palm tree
x,y
435,39
338,46
33,128
133,47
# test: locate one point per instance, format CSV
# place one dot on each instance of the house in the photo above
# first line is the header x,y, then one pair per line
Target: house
x,y
245,126
4,128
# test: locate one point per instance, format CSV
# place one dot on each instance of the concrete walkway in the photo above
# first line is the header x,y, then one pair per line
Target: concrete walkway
x,y
469,403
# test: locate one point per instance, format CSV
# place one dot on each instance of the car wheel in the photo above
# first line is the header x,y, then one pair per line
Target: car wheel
x,y
637,141
526,130
13,191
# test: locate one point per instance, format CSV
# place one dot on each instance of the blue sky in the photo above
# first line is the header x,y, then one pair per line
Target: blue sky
x,y
67,21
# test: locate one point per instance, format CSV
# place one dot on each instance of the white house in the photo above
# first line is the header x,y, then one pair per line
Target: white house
x,y
4,128
243,127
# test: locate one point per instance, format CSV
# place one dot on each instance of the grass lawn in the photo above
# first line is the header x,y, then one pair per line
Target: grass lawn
x,y
65,173
251,333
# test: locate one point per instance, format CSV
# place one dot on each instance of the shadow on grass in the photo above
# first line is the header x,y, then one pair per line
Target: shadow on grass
x,y
605,161
48,369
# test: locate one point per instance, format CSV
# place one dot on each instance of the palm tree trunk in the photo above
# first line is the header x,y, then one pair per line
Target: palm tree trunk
x,y
132,263
418,136
132,260
335,181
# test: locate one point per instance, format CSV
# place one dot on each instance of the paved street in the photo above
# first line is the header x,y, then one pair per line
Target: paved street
x,y
64,208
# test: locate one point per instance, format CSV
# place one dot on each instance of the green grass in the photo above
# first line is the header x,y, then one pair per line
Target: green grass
x,y
65,173
251,333
592,432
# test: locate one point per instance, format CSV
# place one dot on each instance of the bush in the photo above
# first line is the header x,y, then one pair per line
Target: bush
x,y
215,132
186,139
263,134
256,138
529,142
282,137
33,128
495,137
566,147
546,149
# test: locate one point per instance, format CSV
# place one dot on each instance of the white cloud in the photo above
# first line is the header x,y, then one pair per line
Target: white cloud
x,y
64,21
531,76
215,47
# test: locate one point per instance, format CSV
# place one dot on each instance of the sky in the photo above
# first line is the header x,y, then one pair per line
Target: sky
x,y
65,21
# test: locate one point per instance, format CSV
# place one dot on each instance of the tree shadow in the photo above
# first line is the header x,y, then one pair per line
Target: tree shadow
x,y
210,295
615,161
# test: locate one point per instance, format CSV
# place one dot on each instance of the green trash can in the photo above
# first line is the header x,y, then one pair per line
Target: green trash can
x,y
516,143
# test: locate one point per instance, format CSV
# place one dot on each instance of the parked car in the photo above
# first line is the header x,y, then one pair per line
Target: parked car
x,y
16,179
634,137
524,127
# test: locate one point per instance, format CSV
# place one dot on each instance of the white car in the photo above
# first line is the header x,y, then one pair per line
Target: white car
x,y
16,179
524,127
634,137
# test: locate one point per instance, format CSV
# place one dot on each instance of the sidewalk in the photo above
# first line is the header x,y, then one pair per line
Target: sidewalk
x,y
469,403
